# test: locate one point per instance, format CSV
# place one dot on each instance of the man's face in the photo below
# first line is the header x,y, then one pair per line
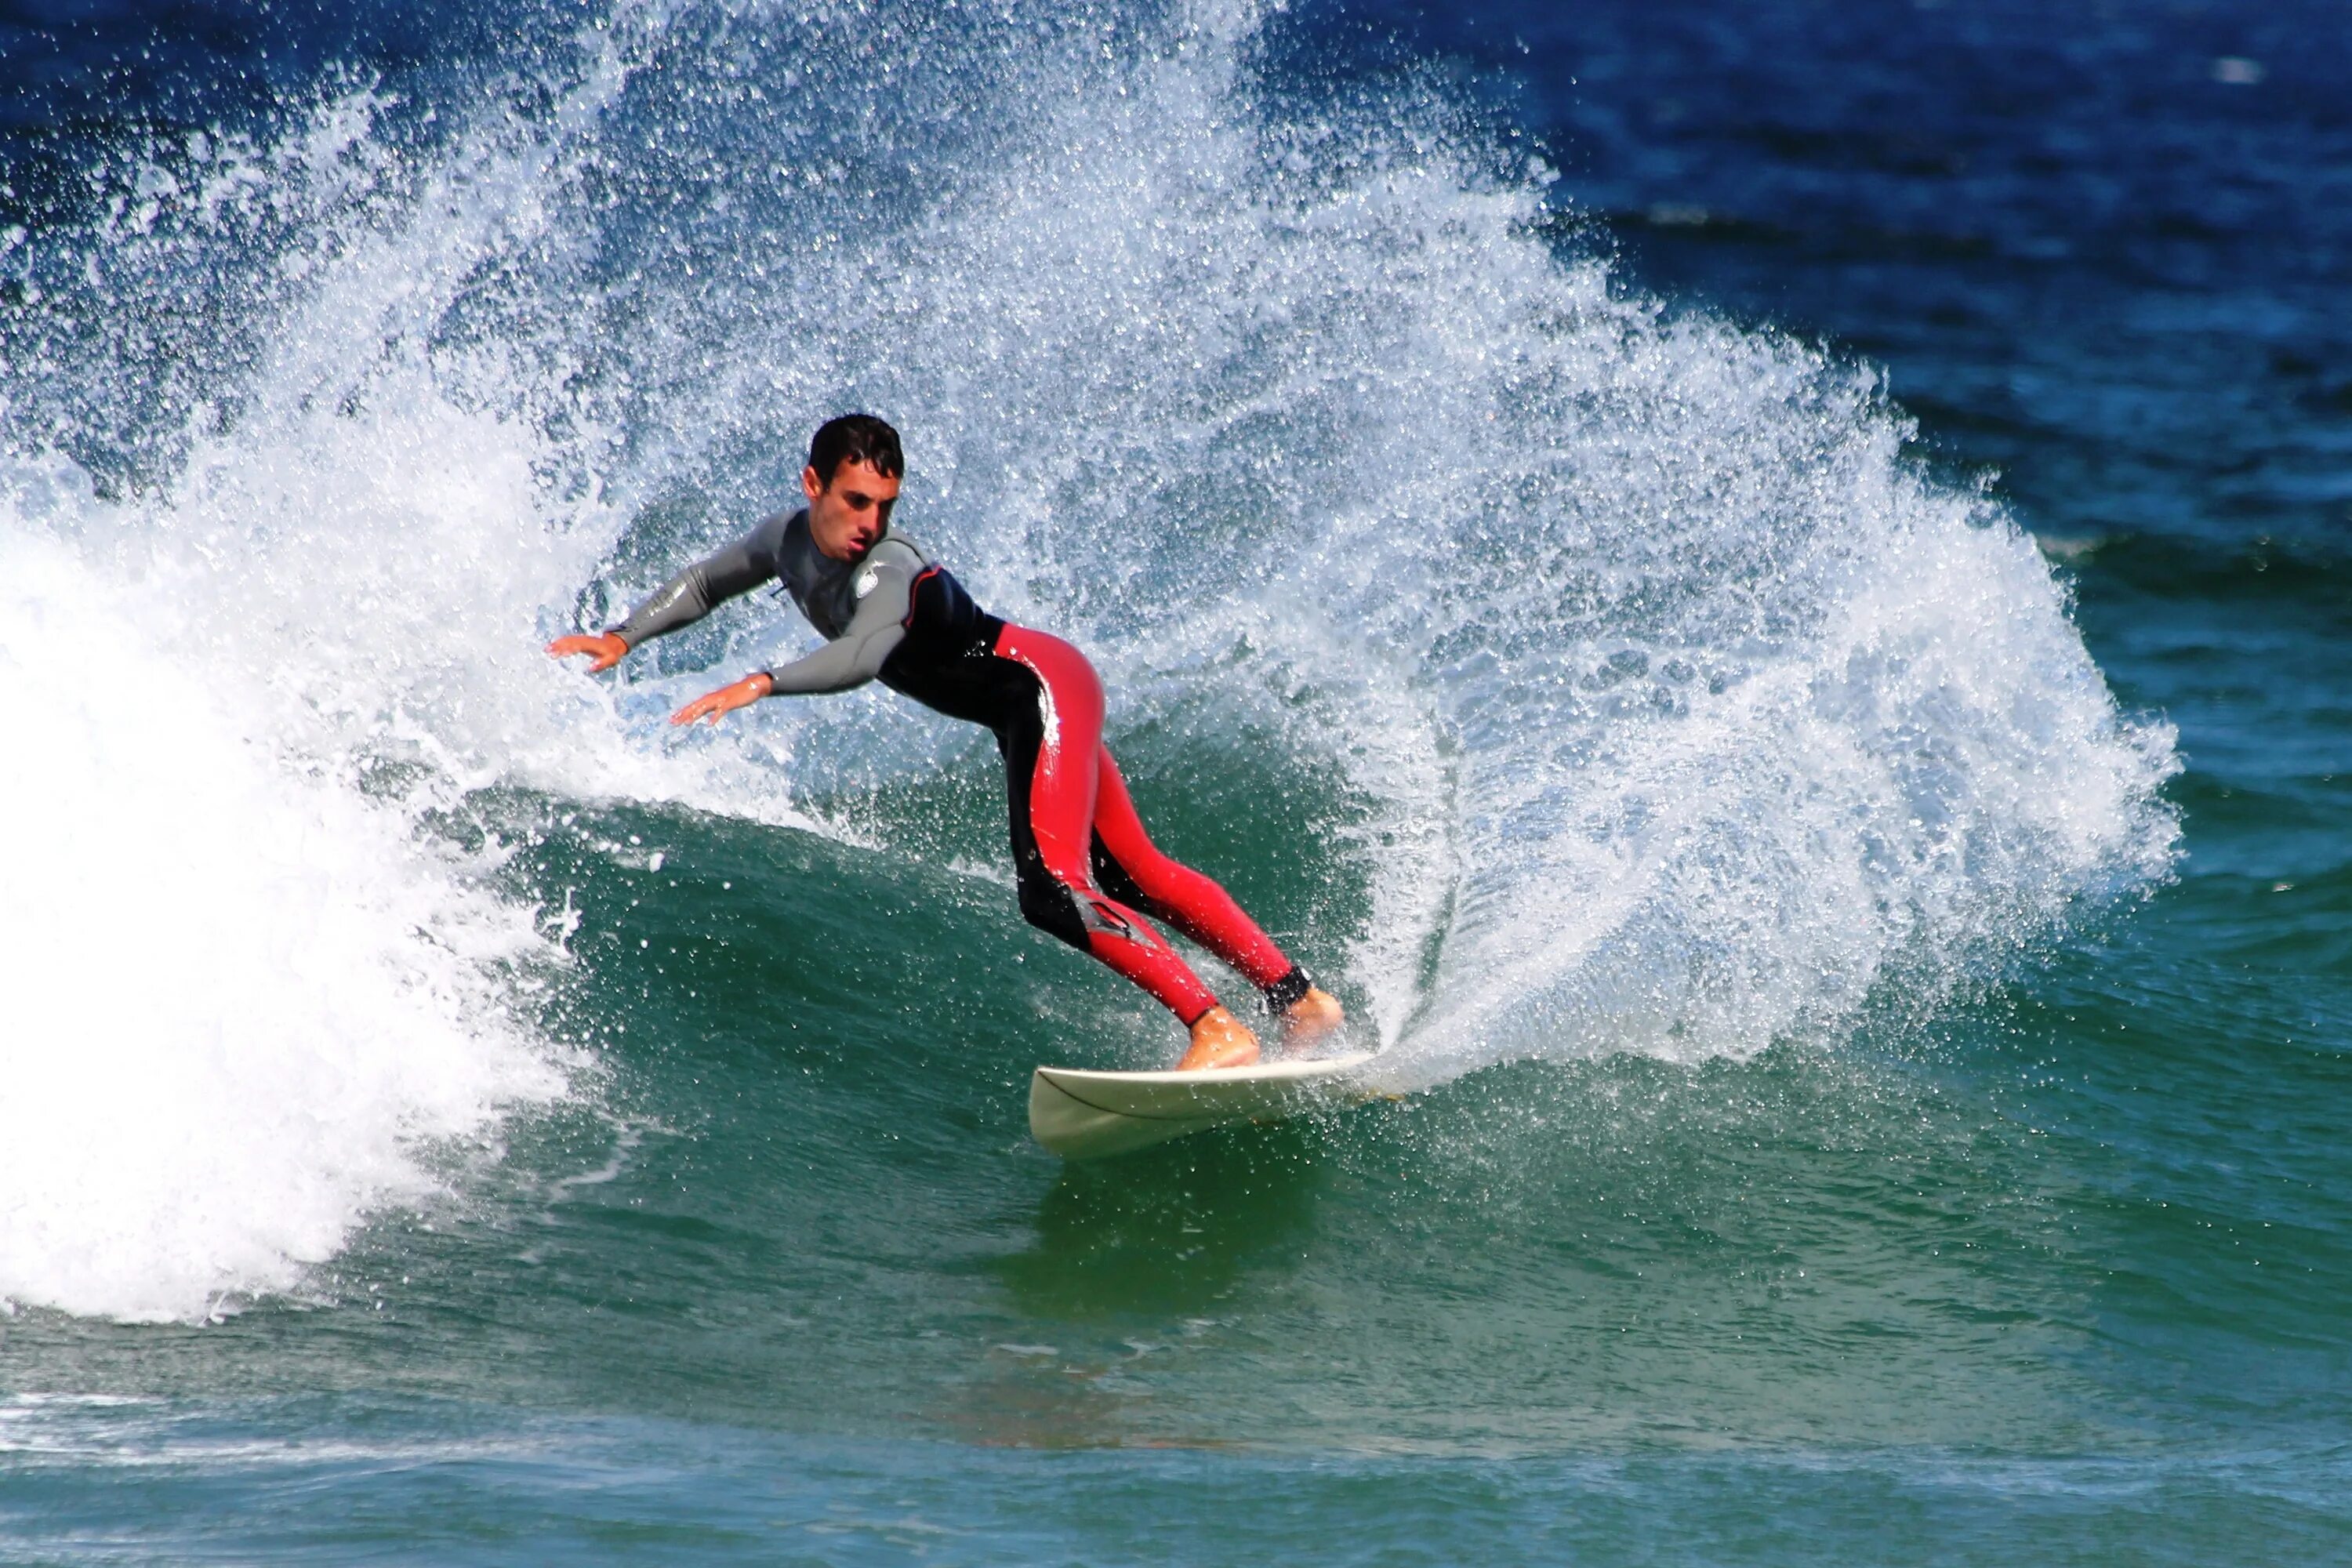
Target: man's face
x,y
848,515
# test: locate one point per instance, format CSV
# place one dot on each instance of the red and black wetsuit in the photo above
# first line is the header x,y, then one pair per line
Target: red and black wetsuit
x,y
1088,872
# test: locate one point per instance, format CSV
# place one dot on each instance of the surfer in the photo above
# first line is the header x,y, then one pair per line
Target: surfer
x,y
1087,871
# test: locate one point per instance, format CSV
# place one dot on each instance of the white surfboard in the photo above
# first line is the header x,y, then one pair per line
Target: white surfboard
x,y
1085,1115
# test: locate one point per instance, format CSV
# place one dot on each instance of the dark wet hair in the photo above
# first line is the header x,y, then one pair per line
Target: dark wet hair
x,y
856,439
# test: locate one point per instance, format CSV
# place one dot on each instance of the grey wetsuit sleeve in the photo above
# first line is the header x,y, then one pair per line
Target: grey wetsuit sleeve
x,y
737,568
875,631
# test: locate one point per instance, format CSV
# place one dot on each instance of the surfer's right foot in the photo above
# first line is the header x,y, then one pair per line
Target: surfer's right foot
x,y
1219,1040
1311,1018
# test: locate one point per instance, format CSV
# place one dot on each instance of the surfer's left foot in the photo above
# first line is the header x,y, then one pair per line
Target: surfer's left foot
x,y
1311,1018
1219,1040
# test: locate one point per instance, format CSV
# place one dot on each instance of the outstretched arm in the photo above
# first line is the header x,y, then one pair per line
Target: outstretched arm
x,y
738,568
851,659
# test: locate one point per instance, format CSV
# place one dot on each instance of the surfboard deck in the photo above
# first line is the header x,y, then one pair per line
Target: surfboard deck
x,y
1082,1114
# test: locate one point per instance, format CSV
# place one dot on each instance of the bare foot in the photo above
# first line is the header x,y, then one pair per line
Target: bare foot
x,y
1219,1040
1311,1018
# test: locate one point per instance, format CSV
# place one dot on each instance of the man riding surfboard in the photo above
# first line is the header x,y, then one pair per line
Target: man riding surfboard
x,y
1087,871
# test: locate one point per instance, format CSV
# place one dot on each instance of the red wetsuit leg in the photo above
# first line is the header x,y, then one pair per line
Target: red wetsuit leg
x,y
1062,790
1192,902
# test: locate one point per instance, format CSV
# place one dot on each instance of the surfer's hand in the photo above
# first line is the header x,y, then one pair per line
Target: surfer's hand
x,y
606,646
726,700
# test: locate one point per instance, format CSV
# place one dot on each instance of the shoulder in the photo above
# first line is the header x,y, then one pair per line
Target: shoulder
x,y
895,552
884,576
770,531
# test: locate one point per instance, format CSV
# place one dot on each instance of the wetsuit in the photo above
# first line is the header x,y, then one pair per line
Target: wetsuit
x,y
1086,866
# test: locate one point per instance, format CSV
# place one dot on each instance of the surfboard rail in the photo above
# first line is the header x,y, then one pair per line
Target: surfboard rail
x,y
1082,1113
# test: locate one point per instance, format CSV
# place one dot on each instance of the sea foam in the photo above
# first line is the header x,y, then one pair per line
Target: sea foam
x,y
238,993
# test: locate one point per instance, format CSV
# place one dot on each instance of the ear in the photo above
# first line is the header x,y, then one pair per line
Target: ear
x,y
810,487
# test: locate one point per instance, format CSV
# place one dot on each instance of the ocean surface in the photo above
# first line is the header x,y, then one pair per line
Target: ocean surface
x,y
1765,591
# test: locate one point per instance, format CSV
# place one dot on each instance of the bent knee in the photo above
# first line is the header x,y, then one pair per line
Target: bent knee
x,y
1053,909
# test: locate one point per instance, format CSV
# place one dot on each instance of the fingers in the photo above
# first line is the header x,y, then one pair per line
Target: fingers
x,y
726,700
603,647
712,705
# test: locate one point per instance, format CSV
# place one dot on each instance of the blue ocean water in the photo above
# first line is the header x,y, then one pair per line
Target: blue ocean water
x,y
1762,589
